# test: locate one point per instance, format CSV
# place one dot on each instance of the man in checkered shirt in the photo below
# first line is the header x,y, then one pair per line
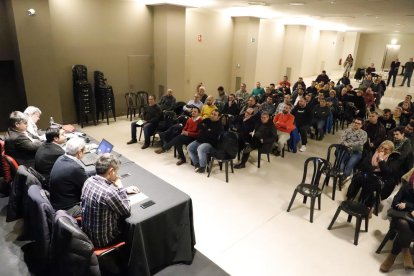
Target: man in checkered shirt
x,y
105,202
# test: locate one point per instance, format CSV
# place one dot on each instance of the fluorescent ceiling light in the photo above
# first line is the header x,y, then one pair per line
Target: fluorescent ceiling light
x,y
186,3
296,4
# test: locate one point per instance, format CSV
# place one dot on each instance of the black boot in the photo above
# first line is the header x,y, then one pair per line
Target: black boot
x,y
244,159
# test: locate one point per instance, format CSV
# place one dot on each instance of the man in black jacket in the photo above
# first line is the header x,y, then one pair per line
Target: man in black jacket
x,y
47,154
152,116
395,65
375,131
320,114
303,119
209,132
67,178
19,143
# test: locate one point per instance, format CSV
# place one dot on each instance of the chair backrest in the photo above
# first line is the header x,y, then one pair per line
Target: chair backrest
x,y
228,146
71,249
178,107
319,166
40,215
226,120
339,154
142,98
9,166
131,99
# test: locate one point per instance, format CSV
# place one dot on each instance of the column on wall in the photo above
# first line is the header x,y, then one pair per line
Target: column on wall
x,y
35,47
293,54
169,49
245,47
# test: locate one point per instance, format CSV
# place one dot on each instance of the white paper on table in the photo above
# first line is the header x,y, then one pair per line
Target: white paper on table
x,y
136,198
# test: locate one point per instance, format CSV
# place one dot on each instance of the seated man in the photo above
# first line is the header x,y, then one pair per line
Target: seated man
x,y
403,146
193,103
208,107
105,202
320,114
387,121
354,138
375,131
268,106
251,103
301,82
19,143
231,107
167,102
264,133
258,90
322,77
242,94
152,116
33,114
303,119
284,82
281,106
245,127
47,153
67,178
188,134
284,123
209,132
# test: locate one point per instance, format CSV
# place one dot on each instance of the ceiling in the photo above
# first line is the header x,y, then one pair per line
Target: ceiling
x,y
369,16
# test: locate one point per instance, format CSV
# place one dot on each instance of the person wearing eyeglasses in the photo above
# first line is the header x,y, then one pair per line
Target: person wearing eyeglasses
x,y
354,138
20,144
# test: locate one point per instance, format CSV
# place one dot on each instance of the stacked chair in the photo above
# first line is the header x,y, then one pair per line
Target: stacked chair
x,y
105,101
83,95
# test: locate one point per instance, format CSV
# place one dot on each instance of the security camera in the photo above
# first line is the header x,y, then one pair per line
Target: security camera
x,y
31,12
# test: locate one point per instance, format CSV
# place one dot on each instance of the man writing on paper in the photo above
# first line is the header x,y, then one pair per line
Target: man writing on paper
x,y
105,202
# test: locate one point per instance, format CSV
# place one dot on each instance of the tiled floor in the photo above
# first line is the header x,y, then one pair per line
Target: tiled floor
x,y
243,225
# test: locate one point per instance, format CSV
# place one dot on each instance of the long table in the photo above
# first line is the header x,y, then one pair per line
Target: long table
x,y
162,234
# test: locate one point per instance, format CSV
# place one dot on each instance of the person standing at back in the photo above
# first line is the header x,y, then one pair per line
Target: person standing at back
x,y
408,72
392,74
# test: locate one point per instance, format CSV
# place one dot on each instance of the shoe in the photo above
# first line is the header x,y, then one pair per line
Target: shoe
x,y
387,264
312,136
277,153
158,151
401,84
145,146
346,179
240,166
132,141
408,260
302,148
180,162
196,166
200,169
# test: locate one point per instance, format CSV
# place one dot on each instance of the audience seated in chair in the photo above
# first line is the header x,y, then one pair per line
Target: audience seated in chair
x,y
231,107
33,114
264,134
167,101
303,119
20,144
188,135
193,103
320,114
208,107
242,93
48,153
209,132
67,178
375,132
284,123
403,201
151,117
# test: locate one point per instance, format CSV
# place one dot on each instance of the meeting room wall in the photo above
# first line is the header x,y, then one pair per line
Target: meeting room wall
x,y
208,53
115,37
372,47
6,48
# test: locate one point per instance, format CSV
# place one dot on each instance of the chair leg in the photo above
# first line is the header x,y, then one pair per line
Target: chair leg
x,y
231,166
357,229
335,217
366,223
259,156
305,198
387,237
140,133
312,208
319,202
349,218
226,166
291,201
210,167
268,157
335,179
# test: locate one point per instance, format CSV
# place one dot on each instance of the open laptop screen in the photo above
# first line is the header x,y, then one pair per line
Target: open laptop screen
x,y
104,147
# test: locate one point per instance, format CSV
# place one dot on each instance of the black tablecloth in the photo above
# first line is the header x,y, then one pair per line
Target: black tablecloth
x,y
162,234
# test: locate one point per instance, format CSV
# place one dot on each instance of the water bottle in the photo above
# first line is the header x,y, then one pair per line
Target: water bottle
x,y
51,121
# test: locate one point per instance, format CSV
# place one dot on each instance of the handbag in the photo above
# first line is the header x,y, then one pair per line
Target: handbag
x,y
400,214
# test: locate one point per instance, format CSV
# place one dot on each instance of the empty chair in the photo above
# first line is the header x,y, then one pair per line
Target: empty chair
x,y
339,155
142,101
131,103
310,188
265,148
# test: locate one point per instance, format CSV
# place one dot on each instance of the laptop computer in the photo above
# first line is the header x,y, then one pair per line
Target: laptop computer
x,y
90,158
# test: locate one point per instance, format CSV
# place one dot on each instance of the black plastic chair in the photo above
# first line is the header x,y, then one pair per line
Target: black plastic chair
x,y
142,102
353,209
264,149
391,234
169,118
311,189
339,154
131,103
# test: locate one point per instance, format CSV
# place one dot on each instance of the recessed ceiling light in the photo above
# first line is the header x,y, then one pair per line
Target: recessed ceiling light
x,y
333,2
296,4
257,3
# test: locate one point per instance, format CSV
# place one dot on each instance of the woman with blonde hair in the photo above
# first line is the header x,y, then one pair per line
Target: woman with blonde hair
x,y
349,61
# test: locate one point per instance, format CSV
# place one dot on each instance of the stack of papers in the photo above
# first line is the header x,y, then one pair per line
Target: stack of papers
x,y
136,198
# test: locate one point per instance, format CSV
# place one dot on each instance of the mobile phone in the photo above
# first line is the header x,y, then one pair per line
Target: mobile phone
x,y
124,175
147,204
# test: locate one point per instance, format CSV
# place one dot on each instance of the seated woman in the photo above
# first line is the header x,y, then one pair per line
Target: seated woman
x,y
33,114
403,200
379,172
264,133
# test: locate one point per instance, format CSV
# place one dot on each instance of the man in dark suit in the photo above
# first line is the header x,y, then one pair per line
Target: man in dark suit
x,y
19,143
67,178
47,154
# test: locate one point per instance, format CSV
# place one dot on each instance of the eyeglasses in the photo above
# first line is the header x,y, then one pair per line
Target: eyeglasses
x,y
357,123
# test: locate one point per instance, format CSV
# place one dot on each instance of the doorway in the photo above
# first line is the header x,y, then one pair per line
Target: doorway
x,y
391,53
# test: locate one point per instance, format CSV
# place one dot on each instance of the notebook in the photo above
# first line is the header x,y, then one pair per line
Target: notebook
x,y
90,158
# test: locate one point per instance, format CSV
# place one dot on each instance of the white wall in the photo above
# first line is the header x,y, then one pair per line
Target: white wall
x,y
309,66
292,50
